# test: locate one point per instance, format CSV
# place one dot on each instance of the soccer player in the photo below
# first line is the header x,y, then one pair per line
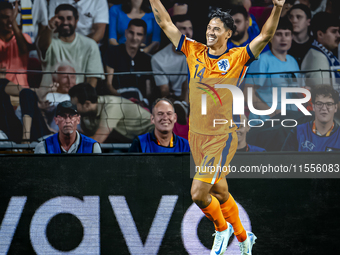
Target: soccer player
x,y
215,146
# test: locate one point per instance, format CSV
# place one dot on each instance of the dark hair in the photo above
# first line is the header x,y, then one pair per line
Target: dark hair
x,y
84,91
225,17
127,6
162,99
304,8
235,9
180,18
67,7
138,23
322,21
326,91
5,5
284,24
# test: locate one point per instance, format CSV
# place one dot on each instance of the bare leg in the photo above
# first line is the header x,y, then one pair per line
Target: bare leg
x,y
220,191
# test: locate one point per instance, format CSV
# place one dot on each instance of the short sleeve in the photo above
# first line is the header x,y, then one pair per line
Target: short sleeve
x,y
244,55
186,45
102,12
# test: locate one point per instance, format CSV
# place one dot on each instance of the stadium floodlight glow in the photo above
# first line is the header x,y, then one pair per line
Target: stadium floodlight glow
x,y
238,100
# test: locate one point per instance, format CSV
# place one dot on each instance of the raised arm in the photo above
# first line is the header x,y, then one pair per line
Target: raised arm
x,y
268,29
23,45
164,21
45,38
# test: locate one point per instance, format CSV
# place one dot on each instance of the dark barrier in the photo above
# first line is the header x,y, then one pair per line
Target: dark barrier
x,y
133,204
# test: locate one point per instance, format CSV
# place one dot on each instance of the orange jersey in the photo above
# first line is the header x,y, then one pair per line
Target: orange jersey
x,y
206,70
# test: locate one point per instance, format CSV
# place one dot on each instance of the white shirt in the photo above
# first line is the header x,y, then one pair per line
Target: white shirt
x,y
90,12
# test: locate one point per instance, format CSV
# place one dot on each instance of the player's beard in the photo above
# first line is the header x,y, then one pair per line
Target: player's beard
x,y
238,36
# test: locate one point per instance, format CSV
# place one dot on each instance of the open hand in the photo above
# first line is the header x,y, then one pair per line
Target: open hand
x,y
279,3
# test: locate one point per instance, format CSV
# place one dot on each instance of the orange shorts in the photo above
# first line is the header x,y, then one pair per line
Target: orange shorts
x,y
212,155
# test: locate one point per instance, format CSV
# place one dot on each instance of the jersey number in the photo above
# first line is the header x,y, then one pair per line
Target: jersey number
x,y
200,73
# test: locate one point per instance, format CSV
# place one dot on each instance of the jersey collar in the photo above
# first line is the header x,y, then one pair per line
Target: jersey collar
x,y
216,57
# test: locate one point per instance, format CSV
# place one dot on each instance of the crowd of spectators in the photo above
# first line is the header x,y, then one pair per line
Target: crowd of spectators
x,y
75,41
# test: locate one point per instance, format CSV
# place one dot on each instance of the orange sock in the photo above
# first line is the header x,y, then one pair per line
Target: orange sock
x,y
230,213
214,213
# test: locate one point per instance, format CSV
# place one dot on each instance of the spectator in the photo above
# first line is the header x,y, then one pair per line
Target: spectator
x,y
67,140
93,16
168,60
241,136
120,16
109,118
14,45
275,60
70,46
315,6
161,139
44,103
322,133
37,106
325,27
253,26
300,17
242,36
127,57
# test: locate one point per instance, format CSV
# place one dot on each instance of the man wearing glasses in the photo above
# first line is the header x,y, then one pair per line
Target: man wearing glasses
x,y
322,133
67,140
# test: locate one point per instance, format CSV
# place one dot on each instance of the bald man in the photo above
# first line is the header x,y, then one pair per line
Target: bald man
x,y
161,139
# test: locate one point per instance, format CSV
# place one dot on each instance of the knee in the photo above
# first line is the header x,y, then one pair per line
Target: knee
x,y
199,197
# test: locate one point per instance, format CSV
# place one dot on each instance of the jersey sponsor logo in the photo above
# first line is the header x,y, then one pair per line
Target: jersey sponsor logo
x,y
308,145
223,65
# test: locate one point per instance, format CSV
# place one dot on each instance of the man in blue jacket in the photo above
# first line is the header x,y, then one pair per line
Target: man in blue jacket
x,y
67,140
161,139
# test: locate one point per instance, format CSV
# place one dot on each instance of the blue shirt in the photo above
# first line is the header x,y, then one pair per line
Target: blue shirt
x,y
302,138
119,22
147,143
253,148
267,64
